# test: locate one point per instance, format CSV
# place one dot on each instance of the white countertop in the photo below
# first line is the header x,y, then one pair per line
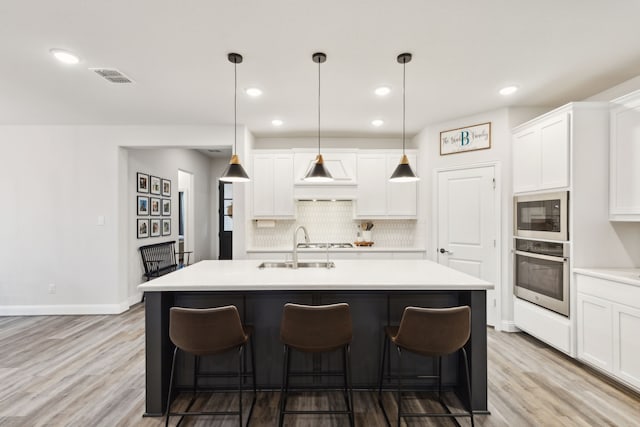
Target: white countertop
x,y
359,275
630,276
373,248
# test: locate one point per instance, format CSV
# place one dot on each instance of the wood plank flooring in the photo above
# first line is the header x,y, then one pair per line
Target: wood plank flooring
x,y
89,371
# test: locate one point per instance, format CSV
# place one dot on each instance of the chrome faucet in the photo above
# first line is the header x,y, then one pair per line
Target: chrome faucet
x,y
295,244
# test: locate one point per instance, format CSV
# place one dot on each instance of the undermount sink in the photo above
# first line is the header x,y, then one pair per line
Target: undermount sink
x,y
289,264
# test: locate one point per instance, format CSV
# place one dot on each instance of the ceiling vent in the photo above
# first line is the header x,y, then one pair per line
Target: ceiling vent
x,y
112,75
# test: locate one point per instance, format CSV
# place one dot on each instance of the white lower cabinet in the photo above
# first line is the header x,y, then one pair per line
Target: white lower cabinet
x,y
609,327
626,343
595,342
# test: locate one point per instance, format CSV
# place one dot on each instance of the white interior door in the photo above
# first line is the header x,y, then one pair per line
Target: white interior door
x,y
466,226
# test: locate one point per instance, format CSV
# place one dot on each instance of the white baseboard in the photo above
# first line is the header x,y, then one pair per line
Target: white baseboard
x,y
56,310
134,299
509,326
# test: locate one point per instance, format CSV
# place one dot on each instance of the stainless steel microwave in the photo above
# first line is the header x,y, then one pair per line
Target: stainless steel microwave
x,y
542,216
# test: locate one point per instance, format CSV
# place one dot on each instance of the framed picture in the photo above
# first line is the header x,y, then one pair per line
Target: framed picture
x,y
155,227
143,182
143,228
143,205
470,138
155,185
166,227
166,187
166,207
155,206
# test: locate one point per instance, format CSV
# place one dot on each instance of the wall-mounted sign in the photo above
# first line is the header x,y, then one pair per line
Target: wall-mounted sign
x,y
476,137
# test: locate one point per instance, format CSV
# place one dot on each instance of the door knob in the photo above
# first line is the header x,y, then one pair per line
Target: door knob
x,y
444,251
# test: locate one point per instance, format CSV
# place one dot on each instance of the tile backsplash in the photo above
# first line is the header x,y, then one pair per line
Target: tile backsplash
x,y
328,221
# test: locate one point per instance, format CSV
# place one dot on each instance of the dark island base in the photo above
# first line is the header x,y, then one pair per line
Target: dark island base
x,y
371,311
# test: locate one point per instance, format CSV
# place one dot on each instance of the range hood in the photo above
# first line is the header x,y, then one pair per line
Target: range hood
x,y
342,167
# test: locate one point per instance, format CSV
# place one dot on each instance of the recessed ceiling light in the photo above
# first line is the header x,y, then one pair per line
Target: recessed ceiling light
x,y
377,122
508,90
277,122
65,56
382,91
253,91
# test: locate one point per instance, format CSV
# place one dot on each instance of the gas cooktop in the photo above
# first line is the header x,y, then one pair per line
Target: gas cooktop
x,y
324,245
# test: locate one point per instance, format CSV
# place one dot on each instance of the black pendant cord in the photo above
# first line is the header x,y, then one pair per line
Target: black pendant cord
x,y
404,68
318,107
235,107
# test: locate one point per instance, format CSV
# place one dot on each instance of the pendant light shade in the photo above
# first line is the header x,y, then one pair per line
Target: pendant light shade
x,y
403,172
234,171
317,172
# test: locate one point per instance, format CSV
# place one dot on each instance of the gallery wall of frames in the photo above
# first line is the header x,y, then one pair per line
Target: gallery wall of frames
x,y
153,204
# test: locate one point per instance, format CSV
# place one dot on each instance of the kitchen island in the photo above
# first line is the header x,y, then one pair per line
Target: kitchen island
x,y
377,292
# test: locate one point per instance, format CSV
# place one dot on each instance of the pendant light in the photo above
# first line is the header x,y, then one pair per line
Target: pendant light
x,y
317,172
403,172
235,172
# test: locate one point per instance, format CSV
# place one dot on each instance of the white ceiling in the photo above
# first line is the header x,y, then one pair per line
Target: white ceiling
x,y
176,52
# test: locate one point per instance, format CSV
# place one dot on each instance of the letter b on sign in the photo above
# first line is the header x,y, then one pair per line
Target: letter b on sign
x,y
464,138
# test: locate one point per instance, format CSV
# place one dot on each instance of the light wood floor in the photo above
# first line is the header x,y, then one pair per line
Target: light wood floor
x,y
89,371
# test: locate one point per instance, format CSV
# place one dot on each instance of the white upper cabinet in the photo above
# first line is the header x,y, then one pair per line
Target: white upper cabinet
x,y
372,187
624,158
402,197
272,184
376,196
554,148
541,153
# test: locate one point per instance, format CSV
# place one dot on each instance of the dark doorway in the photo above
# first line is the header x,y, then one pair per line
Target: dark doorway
x,y
225,212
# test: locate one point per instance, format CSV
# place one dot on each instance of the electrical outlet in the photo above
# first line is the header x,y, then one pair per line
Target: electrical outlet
x,y
52,288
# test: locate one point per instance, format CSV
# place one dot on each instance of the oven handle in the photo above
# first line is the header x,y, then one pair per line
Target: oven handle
x,y
540,256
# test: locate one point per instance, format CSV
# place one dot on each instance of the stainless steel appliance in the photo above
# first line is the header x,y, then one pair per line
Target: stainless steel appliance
x,y
541,273
542,216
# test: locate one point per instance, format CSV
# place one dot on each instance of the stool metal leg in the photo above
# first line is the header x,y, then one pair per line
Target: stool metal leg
x,y
385,350
240,379
440,378
385,346
173,367
253,377
399,398
346,354
285,385
196,366
466,368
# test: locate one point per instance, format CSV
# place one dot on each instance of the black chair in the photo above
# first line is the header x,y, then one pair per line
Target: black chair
x,y
207,332
430,332
159,259
316,329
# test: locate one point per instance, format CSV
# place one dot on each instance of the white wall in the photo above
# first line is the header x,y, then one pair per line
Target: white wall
x,y
165,163
333,142
59,180
617,91
429,160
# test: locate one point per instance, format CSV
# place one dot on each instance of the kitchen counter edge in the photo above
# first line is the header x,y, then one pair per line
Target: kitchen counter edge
x,y
630,276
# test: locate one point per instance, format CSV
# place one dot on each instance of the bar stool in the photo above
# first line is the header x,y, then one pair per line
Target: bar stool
x,y
316,329
206,332
430,332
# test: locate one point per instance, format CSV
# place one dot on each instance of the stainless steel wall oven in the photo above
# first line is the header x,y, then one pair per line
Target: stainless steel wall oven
x,y
541,273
